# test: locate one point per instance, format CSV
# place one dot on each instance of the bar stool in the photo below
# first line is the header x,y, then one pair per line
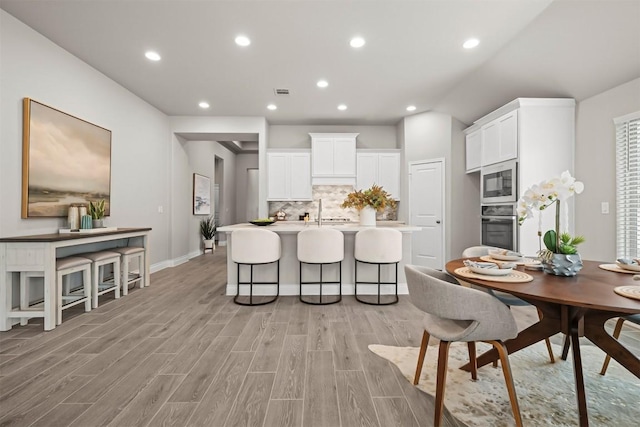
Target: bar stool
x,y
378,246
127,254
64,268
321,246
100,286
255,247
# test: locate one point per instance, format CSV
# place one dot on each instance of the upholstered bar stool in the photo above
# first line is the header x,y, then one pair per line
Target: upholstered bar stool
x,y
255,247
378,246
64,268
321,246
128,277
100,286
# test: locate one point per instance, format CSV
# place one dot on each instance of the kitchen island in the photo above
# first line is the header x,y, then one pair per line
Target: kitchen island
x,y
290,269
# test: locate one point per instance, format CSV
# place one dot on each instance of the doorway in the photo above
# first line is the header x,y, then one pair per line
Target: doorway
x,y
252,194
218,194
426,210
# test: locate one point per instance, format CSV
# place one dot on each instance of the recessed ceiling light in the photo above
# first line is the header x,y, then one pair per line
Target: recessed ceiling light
x,y
357,42
322,83
471,43
272,107
153,56
243,41
204,104
342,107
411,108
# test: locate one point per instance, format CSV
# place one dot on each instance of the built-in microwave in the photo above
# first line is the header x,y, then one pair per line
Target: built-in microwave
x,y
498,183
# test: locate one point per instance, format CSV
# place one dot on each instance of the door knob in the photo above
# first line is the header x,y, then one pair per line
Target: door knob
x,y
437,221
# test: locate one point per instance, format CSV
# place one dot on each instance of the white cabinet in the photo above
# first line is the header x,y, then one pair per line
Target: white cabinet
x,y
333,157
474,151
381,168
500,139
289,175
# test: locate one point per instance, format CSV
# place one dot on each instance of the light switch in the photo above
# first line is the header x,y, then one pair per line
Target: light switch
x,y
160,209
604,207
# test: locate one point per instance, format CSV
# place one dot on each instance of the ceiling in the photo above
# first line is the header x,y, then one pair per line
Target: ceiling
x,y
413,53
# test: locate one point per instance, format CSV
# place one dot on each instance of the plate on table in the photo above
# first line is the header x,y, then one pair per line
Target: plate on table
x,y
505,255
630,267
491,271
262,222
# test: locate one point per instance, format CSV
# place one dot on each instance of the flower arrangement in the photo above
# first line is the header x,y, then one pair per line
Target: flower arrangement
x,y
540,197
375,197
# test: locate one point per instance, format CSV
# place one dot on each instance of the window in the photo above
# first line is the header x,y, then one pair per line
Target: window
x,y
628,186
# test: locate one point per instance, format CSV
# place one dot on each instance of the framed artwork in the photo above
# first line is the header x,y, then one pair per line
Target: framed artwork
x,y
201,195
65,161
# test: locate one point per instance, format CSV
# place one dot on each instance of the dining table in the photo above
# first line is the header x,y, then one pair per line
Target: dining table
x,y
577,306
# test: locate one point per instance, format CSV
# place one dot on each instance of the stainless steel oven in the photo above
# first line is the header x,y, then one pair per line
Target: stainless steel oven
x,y
498,183
500,226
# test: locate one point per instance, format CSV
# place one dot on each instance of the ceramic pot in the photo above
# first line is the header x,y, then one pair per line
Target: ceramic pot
x,y
209,245
368,217
98,223
563,265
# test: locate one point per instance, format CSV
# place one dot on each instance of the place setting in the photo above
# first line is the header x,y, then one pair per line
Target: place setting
x,y
497,272
500,256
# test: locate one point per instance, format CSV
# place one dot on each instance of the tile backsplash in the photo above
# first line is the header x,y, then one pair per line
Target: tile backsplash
x,y
332,197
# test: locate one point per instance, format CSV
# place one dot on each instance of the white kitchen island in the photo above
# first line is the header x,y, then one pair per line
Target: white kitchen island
x,y
290,267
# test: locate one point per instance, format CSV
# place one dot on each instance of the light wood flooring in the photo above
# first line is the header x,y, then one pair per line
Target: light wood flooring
x,y
181,353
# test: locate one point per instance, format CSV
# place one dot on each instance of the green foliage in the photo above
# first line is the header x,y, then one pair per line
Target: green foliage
x,y
208,228
565,245
375,197
549,240
96,210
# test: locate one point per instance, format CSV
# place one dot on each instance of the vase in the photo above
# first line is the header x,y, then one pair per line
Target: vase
x,y
562,265
98,223
209,245
368,217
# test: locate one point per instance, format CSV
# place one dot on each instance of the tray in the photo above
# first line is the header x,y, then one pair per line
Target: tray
x,y
87,230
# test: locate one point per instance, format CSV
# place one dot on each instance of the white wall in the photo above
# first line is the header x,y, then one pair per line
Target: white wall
x,y
34,67
595,166
283,136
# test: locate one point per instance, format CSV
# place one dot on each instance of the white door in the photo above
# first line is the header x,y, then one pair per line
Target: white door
x,y
426,210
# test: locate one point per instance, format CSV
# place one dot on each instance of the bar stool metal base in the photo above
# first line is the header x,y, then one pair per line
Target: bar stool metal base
x,y
321,282
394,300
237,299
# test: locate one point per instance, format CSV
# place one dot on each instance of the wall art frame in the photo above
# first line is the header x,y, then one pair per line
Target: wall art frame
x,y
201,194
65,161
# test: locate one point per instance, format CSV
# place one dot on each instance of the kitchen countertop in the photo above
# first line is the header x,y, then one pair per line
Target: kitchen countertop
x,y
297,226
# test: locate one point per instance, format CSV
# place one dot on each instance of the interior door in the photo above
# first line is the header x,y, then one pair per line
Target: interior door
x,y
426,210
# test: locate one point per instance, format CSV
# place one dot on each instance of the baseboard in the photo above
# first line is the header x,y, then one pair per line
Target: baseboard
x,y
160,266
289,289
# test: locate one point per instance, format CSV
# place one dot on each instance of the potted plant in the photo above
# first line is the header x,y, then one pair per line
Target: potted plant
x,y
560,256
208,232
368,202
96,210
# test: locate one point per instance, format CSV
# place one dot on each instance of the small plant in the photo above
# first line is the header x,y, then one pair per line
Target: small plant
x,y
208,228
96,210
375,197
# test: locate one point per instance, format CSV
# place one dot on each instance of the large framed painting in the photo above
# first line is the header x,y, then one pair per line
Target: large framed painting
x,y
65,161
201,195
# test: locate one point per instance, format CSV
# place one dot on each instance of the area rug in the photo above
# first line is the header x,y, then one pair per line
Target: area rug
x,y
546,391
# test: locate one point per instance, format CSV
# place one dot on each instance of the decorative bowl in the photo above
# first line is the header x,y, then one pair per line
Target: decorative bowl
x,y
630,267
505,255
491,271
262,222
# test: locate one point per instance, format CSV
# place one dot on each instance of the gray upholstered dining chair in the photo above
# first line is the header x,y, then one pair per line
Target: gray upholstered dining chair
x,y
506,298
456,313
634,318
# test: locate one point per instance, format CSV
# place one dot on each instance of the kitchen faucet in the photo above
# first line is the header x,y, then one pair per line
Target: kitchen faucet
x,y
320,213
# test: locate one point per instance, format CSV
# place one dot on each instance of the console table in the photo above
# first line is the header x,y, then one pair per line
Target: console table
x,y
38,253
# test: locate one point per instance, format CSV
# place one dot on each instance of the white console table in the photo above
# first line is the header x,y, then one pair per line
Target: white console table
x,y
38,253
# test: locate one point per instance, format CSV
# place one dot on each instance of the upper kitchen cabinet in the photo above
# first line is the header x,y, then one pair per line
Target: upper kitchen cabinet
x,y
381,168
333,158
474,151
289,175
500,139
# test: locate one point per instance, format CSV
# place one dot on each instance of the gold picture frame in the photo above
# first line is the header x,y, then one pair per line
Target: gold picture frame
x,y
65,161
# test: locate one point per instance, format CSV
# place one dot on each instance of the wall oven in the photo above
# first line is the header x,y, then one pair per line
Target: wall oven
x,y
500,226
498,183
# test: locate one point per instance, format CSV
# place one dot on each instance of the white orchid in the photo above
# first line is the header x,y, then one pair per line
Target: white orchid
x,y
540,196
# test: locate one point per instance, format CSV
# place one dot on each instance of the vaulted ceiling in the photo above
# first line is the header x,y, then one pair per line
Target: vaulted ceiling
x,y
413,53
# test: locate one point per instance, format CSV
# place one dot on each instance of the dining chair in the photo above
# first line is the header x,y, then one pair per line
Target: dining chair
x,y
457,313
506,298
634,318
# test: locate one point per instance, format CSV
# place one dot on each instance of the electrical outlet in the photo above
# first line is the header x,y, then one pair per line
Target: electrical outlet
x,y
604,207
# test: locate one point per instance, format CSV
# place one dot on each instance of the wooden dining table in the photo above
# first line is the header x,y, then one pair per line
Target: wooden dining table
x,y
576,306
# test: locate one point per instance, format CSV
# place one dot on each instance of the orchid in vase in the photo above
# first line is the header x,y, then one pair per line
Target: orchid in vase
x,y
540,197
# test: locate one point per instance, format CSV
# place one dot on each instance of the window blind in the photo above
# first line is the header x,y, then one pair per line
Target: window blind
x,y
628,186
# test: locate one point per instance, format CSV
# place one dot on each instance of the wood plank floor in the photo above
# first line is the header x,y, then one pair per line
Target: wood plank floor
x,y
181,353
